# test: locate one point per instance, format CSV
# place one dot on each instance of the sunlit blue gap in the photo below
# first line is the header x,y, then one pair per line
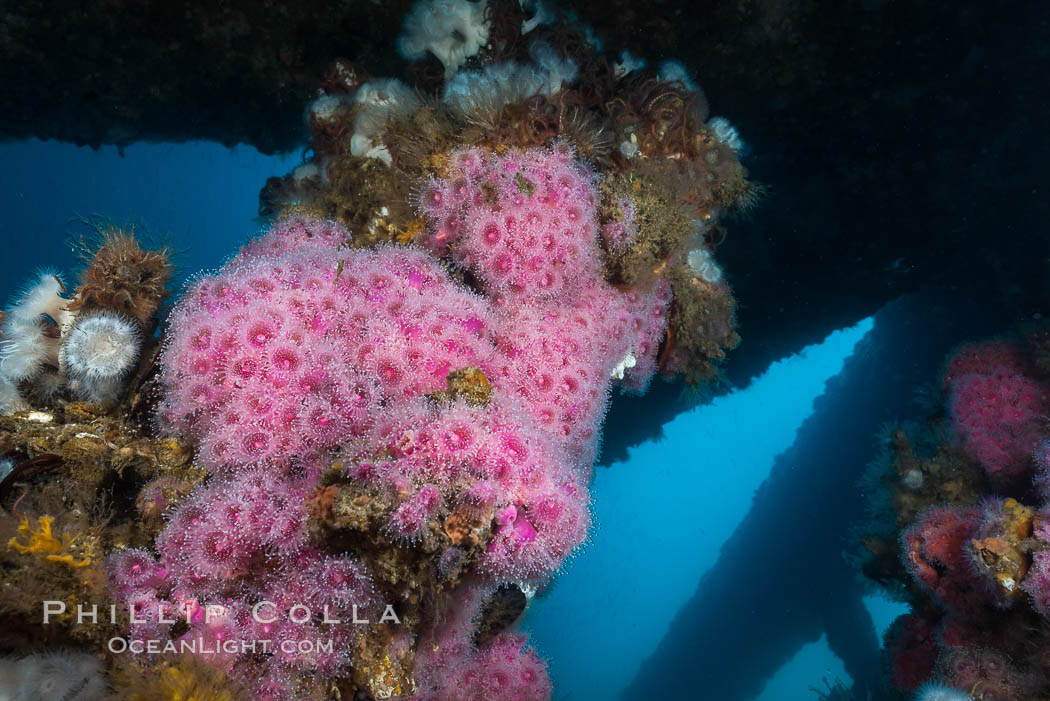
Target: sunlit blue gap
x,y
815,664
662,517
199,197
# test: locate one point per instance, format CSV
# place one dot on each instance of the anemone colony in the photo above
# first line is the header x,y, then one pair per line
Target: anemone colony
x,y
88,344
378,420
960,530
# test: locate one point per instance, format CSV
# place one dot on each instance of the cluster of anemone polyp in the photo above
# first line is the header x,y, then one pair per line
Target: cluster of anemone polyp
x,y
973,523
298,350
47,346
395,427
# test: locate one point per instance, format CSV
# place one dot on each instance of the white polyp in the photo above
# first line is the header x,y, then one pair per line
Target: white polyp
x,y
58,675
629,147
627,64
306,171
451,30
704,265
26,348
326,107
487,91
24,351
377,101
10,400
913,479
628,362
726,133
44,297
539,15
99,350
559,71
673,71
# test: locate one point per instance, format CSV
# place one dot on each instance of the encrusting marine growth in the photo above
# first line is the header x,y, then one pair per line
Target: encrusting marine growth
x,y
965,538
379,419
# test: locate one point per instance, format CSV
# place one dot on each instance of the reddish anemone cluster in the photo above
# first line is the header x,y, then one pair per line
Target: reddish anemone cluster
x,y
997,408
974,541
1037,581
452,668
300,351
231,546
288,353
934,552
912,648
525,225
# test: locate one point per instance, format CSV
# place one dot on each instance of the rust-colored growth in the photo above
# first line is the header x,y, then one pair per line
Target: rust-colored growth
x,y
322,502
905,462
121,276
419,143
350,507
666,230
382,663
540,121
715,180
438,163
1003,562
183,677
468,383
366,196
504,19
332,132
411,232
471,384
463,529
1001,550
76,551
85,449
1018,519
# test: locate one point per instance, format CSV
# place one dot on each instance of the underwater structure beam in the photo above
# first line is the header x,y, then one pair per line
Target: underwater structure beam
x,y
781,580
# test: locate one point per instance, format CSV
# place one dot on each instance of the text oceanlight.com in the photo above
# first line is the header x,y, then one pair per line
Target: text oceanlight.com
x,y
200,646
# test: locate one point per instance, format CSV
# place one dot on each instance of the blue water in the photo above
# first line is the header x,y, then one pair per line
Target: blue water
x,y
661,516
200,198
